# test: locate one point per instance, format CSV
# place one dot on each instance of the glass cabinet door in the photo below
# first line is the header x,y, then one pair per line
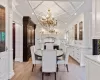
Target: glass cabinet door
x,y
2,28
75,32
81,30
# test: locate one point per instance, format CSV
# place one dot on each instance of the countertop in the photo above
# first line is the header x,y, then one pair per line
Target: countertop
x,y
95,58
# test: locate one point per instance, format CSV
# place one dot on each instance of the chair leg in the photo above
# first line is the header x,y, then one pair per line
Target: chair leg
x,y
55,75
32,67
67,67
57,68
42,75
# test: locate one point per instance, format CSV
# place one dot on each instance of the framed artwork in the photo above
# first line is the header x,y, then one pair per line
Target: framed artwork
x,y
81,30
75,34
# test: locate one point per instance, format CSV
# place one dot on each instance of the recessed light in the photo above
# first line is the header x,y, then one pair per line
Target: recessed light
x,y
32,13
75,14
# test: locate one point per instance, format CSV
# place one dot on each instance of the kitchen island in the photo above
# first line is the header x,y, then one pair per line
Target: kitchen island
x,y
92,67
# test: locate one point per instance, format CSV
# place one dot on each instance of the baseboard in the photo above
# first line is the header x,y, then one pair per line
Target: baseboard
x,y
18,59
11,74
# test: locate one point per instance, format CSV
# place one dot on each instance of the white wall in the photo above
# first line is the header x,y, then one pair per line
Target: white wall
x,y
18,42
18,20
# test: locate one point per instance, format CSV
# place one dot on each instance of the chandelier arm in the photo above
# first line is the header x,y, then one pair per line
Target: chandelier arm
x,y
34,12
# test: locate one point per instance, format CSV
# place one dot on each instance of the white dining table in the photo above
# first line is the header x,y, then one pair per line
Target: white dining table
x,y
59,53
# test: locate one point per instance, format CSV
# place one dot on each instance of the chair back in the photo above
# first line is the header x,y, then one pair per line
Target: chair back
x,y
67,55
49,61
32,49
49,46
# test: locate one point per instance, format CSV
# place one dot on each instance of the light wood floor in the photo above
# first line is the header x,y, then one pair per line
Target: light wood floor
x,y
23,72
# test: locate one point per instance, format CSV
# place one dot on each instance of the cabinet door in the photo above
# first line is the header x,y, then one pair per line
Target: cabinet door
x,y
96,18
3,68
93,71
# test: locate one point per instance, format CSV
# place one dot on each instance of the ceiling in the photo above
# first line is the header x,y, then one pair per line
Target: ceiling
x,y
63,11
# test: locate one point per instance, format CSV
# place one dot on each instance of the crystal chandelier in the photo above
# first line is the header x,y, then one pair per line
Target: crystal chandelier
x,y
48,21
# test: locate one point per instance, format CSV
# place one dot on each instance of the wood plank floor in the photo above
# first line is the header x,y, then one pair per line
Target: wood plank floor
x,y
23,72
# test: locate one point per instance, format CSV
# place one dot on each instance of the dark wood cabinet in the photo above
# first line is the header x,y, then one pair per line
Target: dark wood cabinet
x,y
28,37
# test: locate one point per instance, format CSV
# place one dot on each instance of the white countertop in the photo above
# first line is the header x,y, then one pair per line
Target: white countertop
x,y
95,58
79,46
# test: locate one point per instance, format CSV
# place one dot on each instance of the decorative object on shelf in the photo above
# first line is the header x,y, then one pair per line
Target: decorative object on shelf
x,y
75,32
81,30
48,21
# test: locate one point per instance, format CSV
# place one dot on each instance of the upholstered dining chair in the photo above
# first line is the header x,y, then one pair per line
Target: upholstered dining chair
x,y
64,60
49,62
34,59
49,46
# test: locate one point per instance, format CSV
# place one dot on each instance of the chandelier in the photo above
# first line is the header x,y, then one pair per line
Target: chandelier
x,y
48,21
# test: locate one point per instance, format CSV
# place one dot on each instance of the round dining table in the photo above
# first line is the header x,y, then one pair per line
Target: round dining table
x,y
39,53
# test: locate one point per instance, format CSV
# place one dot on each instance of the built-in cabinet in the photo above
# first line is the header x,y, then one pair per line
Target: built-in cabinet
x,y
96,19
80,42
2,28
78,53
3,54
28,36
92,67
4,66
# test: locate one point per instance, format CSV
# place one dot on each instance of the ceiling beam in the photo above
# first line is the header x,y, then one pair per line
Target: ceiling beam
x,y
38,5
72,5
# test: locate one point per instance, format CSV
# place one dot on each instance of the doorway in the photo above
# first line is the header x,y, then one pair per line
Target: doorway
x,y
13,33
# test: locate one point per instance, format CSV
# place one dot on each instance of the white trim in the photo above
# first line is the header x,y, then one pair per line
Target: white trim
x,y
11,74
18,59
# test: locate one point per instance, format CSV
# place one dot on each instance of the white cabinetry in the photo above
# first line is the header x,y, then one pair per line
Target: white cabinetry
x,y
96,19
78,53
92,67
3,66
83,44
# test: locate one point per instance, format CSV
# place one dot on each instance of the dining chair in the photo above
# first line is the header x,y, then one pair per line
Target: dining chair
x,y
49,46
49,62
34,59
64,60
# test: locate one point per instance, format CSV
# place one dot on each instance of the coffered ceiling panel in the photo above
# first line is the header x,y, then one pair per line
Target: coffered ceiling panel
x,y
34,4
48,4
66,6
77,4
61,10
